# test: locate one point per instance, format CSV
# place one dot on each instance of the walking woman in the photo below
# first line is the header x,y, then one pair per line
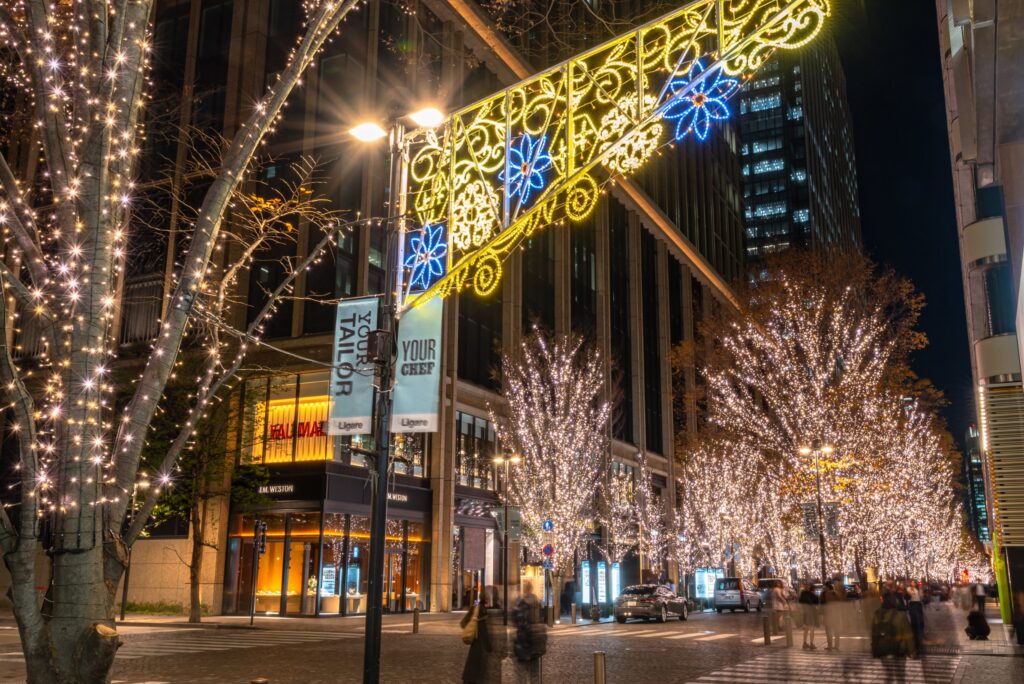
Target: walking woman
x,y
809,609
487,640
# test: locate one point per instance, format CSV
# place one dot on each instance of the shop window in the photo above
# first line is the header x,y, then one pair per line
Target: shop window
x,y
477,446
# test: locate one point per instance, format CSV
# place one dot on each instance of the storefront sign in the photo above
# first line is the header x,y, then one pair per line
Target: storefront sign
x,y
352,377
418,369
329,577
272,489
585,582
616,581
602,582
398,497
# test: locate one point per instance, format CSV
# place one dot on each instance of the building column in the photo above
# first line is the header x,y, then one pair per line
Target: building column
x,y
636,318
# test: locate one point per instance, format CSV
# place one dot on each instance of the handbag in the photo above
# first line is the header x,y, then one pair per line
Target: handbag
x,y
470,629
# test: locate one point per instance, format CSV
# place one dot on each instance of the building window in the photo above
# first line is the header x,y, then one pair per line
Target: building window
x,y
621,333
802,216
480,339
284,420
476,446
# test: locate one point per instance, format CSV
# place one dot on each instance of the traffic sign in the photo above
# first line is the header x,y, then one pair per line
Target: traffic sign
x,y
548,550
548,526
549,564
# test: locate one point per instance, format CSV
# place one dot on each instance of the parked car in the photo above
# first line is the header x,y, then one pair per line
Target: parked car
x,y
733,593
649,601
853,591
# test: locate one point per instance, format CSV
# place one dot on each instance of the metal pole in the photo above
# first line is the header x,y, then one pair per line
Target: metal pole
x,y
821,519
255,570
504,552
599,668
388,324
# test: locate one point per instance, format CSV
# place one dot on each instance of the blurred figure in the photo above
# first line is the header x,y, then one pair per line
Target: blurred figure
x,y
890,629
915,611
979,596
531,637
1018,616
809,611
778,607
977,626
832,608
489,645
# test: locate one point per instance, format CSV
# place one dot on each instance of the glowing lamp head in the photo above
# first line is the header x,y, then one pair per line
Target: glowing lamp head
x,y
827,450
368,132
805,451
429,117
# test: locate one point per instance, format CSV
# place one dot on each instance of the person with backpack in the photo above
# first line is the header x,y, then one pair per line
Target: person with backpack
x,y
483,632
809,610
531,640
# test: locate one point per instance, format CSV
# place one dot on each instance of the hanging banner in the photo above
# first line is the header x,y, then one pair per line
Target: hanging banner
x,y
352,377
418,369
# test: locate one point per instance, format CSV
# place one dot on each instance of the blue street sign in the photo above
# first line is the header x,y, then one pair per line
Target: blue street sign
x,y
549,564
548,526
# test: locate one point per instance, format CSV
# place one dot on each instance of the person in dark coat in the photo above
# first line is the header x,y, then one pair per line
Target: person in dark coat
x,y
531,637
809,609
977,626
483,663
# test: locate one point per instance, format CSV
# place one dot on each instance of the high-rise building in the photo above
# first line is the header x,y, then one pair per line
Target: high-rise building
x,y
799,167
973,481
982,49
658,250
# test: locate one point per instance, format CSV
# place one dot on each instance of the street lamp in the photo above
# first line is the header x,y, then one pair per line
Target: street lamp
x,y
398,142
817,449
510,460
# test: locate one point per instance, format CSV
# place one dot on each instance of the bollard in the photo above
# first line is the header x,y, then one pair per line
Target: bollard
x,y
551,615
260,680
416,620
767,623
599,673
573,612
789,631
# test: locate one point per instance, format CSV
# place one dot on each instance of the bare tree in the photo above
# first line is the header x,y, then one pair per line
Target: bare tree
x,y
618,518
82,68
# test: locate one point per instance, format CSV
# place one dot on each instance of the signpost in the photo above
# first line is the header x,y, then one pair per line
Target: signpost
x,y
259,547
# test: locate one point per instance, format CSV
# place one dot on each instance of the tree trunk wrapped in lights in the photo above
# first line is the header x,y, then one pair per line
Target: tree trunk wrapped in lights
x,y
83,67
818,355
556,421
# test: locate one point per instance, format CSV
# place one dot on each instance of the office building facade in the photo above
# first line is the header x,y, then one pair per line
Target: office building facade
x,y
799,164
982,49
972,479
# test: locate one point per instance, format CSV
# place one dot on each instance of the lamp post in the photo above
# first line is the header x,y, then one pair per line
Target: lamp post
x,y
817,449
505,461
398,144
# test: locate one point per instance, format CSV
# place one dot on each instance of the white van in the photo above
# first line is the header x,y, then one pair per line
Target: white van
x,y
733,593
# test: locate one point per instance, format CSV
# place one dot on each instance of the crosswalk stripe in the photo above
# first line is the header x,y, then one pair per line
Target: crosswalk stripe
x,y
655,635
691,635
807,668
716,637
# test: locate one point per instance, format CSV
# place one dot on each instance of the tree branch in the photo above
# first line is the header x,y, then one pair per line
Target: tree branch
x,y
131,432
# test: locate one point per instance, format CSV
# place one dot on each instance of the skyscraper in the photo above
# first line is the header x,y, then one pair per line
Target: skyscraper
x,y
982,48
799,167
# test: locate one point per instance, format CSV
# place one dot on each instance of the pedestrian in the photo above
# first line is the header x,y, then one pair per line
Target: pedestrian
x,y
890,629
915,611
1018,617
530,643
977,626
979,597
778,606
809,611
832,609
482,629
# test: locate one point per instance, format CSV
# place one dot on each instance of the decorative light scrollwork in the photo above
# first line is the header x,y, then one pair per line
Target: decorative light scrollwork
x,y
532,155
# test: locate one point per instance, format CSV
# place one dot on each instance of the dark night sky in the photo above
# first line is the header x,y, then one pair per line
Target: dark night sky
x,y
894,77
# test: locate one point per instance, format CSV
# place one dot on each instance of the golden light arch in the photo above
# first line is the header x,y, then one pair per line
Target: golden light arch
x,y
535,153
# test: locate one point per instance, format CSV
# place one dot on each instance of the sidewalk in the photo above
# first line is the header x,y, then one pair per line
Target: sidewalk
x,y
1001,642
